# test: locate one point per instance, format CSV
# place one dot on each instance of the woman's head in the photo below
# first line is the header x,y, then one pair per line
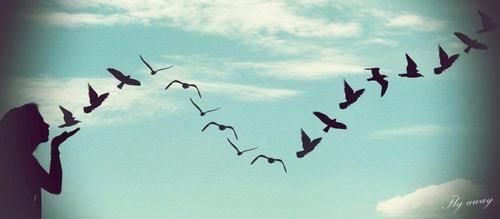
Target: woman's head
x,y
26,126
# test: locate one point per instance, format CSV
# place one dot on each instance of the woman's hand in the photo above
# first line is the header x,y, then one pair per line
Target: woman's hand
x,y
58,140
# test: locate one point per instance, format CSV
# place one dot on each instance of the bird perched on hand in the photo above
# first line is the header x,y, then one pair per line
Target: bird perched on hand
x,y
153,72
379,78
445,61
411,69
350,95
221,128
307,144
488,23
184,85
238,152
330,123
123,79
69,119
202,113
269,160
470,43
95,100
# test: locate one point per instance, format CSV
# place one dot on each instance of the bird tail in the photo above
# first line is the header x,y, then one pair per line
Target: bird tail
x,y
301,154
343,105
87,109
327,128
121,85
438,70
466,50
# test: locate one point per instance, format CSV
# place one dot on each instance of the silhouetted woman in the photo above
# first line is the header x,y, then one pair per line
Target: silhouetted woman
x,y
22,129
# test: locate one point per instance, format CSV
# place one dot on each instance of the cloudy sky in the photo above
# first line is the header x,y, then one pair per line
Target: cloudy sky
x,y
269,65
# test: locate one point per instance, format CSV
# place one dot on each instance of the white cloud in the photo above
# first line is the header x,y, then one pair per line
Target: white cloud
x,y
414,22
380,41
409,131
220,17
430,201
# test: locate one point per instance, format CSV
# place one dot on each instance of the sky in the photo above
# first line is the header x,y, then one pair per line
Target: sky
x,y
269,65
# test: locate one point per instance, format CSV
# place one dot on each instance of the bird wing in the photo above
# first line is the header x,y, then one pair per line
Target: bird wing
x,y
210,123
443,57
464,38
339,125
131,81
144,61
284,167
230,127
174,81
315,142
347,89
486,20
411,66
358,93
197,90
118,74
103,97
251,149
161,69
375,71
195,105
232,145
478,45
454,58
213,110
305,139
264,156
92,95
324,118
68,116
384,83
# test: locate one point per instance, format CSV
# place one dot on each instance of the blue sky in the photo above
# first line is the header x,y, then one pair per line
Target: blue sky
x,y
269,66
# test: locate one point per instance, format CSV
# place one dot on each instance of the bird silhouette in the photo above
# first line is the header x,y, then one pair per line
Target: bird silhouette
x,y
330,123
153,72
123,79
184,85
239,153
379,78
470,43
445,61
202,113
69,119
411,69
350,95
221,127
488,23
269,160
307,144
95,100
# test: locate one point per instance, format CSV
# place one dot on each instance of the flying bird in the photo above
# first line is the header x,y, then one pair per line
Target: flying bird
x,y
69,119
269,160
202,113
330,123
445,61
239,153
411,69
95,100
221,127
153,72
470,43
123,79
379,78
350,95
307,144
185,86
488,23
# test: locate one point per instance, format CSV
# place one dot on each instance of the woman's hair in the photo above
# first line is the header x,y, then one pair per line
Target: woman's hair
x,y
22,126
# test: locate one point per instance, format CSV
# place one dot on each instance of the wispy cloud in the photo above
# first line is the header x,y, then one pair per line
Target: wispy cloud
x,y
410,131
380,41
416,22
430,201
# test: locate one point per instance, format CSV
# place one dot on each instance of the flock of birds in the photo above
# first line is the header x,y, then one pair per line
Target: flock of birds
x,y
308,145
